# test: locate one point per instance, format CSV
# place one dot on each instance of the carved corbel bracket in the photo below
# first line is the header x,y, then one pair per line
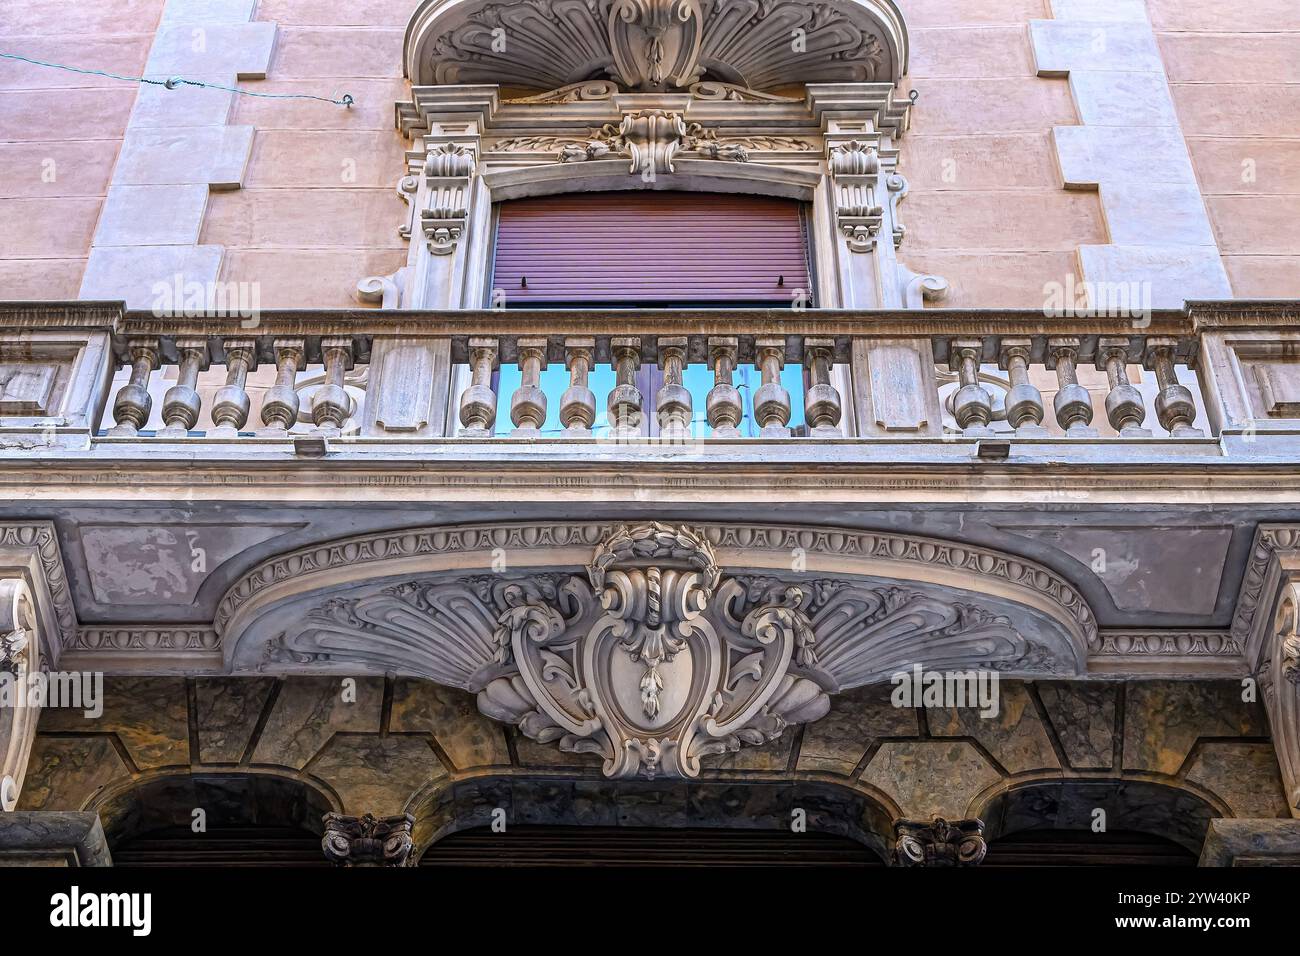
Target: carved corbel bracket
x,y
939,842
387,291
897,186
368,841
448,172
855,173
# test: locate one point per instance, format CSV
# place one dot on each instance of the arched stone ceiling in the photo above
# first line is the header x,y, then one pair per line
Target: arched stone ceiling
x,y
655,45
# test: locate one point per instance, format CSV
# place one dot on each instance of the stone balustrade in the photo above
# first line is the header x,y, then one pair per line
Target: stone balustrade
x,y
1181,375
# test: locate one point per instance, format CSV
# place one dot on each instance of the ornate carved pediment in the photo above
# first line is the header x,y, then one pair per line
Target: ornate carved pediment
x,y
655,45
653,658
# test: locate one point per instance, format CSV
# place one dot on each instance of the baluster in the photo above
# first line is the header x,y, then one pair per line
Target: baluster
x,y
280,406
1024,400
972,405
528,404
1073,404
822,402
181,403
230,404
1124,407
625,398
478,403
330,405
132,406
673,402
1175,406
578,403
771,401
723,405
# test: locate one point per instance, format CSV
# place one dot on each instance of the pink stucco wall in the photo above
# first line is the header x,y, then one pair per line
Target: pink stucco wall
x,y
317,209
986,210
60,133
1234,70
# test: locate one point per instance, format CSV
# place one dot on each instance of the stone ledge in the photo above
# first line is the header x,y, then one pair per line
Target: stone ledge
x,y
1252,843
52,838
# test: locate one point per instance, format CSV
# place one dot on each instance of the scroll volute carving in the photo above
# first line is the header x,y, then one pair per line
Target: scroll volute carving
x,y
656,43
654,659
1280,679
634,670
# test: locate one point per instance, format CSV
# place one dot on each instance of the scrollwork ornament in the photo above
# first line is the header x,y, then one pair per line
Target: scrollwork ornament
x,y
939,842
654,660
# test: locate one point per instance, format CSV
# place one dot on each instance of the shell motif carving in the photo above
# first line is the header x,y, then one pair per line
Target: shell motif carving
x,y
653,659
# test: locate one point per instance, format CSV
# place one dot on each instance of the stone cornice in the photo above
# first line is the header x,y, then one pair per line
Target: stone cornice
x,y
884,323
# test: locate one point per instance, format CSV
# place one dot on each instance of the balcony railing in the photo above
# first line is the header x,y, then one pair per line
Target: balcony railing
x,y
1175,376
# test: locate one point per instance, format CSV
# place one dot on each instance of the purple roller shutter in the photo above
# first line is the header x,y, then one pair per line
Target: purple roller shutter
x,y
650,247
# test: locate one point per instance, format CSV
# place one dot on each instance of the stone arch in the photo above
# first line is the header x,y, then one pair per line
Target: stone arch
x,y
830,808
279,590
762,645
740,42
164,803
1174,813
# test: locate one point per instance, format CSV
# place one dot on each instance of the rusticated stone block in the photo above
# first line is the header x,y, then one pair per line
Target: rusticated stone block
x,y
451,715
311,710
228,709
1164,719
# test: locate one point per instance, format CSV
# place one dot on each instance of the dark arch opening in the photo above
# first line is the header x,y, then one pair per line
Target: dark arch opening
x,y
1052,824
587,822
249,820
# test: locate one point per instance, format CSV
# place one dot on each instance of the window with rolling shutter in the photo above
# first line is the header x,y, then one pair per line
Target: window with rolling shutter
x,y
665,248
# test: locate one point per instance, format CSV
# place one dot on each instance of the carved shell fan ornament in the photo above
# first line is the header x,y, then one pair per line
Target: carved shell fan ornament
x,y
571,46
654,659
